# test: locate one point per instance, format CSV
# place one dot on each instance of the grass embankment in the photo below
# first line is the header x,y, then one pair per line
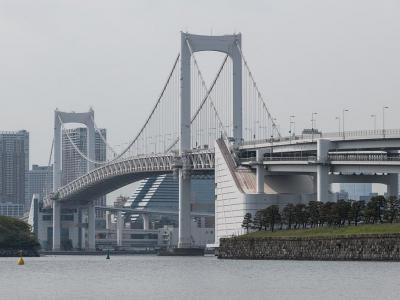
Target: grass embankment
x,y
328,231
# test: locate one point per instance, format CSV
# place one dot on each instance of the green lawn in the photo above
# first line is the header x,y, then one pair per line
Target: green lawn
x,y
327,231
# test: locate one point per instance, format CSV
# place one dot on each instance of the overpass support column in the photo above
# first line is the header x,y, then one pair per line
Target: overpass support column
x,y
260,171
393,185
56,225
120,228
91,227
184,211
322,170
146,221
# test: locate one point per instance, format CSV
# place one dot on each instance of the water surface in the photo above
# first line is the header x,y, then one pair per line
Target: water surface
x,y
153,277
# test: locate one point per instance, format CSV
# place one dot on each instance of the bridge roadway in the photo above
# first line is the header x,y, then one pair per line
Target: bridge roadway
x,y
151,211
295,156
110,177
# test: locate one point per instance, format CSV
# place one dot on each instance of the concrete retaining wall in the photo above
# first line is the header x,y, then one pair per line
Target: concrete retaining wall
x,y
384,247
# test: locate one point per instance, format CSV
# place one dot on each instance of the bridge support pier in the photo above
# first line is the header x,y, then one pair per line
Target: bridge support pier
x,y
81,231
322,170
120,228
184,211
56,225
260,171
393,185
146,221
91,227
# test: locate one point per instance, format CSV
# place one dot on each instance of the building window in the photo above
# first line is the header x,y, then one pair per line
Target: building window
x,y
67,217
47,217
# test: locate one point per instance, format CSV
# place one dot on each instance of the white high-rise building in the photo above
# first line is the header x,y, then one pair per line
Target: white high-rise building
x,y
74,165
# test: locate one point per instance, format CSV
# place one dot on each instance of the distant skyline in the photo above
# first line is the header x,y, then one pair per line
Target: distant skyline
x,y
307,56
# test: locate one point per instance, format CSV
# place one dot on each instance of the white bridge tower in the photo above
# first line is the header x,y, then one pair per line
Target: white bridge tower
x,y
191,43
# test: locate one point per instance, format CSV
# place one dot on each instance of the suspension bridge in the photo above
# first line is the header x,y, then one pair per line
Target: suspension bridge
x,y
223,127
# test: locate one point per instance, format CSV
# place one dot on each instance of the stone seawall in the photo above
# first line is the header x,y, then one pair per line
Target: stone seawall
x,y
16,253
384,247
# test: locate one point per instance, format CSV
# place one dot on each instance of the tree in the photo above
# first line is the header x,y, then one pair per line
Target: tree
x,y
258,220
314,212
247,221
373,210
391,209
300,215
342,212
288,215
328,213
356,211
272,216
16,234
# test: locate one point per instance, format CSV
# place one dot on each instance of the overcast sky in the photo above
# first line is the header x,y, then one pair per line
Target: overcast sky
x,y
319,56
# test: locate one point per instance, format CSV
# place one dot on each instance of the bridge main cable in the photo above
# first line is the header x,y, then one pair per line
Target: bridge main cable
x,y
137,135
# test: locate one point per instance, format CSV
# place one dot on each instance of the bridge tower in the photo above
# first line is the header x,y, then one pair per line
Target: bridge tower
x,y
191,43
87,119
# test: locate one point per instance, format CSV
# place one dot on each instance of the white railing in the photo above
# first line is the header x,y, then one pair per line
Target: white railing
x,y
379,133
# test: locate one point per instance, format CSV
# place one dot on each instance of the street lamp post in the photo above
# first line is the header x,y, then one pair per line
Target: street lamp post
x,y
343,111
338,118
383,119
374,117
313,120
292,132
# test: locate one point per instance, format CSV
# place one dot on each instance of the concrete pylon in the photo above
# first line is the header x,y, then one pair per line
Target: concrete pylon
x,y
146,221
86,118
322,170
91,227
56,225
57,183
393,185
260,171
120,228
226,44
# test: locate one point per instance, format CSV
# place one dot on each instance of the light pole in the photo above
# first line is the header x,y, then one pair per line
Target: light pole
x,y
343,111
292,132
383,119
374,117
312,124
338,118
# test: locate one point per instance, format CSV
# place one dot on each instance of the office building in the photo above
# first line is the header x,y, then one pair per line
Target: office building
x,y
14,163
39,180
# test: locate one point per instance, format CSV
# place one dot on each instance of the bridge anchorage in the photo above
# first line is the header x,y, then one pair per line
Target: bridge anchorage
x,y
224,128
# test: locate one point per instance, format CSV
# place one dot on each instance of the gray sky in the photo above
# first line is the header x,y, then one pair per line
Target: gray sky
x,y
306,56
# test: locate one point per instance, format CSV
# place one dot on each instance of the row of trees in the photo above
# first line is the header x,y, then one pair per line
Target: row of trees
x,y
377,210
